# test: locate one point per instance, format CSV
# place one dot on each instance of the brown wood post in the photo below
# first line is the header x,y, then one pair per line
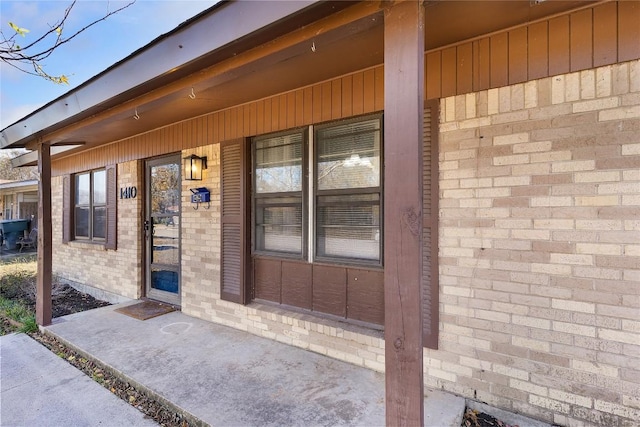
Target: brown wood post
x,y
43,286
403,117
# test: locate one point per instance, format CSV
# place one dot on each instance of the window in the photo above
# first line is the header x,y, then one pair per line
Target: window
x,y
8,206
346,193
89,207
278,194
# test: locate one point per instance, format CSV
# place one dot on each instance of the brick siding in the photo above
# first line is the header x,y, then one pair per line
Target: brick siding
x,y
118,272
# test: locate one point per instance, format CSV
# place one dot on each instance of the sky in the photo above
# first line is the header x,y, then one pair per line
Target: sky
x,y
90,53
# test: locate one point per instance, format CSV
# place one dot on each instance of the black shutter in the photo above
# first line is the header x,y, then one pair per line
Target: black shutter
x,y
430,195
234,274
67,208
112,207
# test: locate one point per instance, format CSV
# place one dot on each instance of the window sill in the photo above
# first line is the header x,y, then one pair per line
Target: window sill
x,y
321,262
87,244
326,320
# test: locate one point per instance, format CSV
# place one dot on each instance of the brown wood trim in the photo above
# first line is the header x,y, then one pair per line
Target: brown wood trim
x,y
464,73
297,279
267,279
45,239
431,197
112,207
538,43
330,290
628,30
449,77
518,53
581,40
404,89
235,262
605,34
67,208
365,295
559,52
499,60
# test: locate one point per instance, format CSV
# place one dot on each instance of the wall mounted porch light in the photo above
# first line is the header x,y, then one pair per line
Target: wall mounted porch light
x,y
193,166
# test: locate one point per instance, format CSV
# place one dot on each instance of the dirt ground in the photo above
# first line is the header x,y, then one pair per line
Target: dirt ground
x,y
479,419
64,298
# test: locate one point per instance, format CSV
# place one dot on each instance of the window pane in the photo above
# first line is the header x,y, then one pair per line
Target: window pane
x,y
100,222
100,187
278,164
349,227
279,225
82,222
349,156
83,189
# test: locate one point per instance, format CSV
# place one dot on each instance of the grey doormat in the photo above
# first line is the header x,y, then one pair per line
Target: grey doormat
x,y
145,310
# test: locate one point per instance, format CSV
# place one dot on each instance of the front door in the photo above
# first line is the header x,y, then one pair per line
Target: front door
x,y
162,229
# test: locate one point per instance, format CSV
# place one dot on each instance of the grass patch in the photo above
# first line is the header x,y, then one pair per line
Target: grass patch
x,y
17,285
17,316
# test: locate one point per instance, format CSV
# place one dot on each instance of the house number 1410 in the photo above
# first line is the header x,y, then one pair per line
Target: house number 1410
x,y
128,192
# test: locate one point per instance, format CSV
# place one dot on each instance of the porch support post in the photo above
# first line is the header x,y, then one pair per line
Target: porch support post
x,y
43,286
403,109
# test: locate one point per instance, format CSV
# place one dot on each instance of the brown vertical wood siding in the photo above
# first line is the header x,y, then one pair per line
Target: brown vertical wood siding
x,y
592,37
345,96
348,292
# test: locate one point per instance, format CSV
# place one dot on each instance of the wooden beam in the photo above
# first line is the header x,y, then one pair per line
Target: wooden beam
x,y
43,285
403,117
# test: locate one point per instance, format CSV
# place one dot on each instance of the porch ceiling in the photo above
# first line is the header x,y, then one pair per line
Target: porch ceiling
x,y
309,53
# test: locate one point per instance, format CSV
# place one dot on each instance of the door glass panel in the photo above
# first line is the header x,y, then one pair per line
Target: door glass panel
x,y
165,242
164,227
164,279
165,189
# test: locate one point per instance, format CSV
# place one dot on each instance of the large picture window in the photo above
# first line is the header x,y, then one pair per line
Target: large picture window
x,y
90,199
346,194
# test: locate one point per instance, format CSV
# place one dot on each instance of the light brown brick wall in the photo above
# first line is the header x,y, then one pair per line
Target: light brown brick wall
x,y
539,247
118,272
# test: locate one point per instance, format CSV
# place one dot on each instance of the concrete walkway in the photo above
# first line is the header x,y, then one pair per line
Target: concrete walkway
x,y
224,377
38,388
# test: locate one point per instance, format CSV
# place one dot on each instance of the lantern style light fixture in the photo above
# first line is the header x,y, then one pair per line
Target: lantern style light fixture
x,y
193,166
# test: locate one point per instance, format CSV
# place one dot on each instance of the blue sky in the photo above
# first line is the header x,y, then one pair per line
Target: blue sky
x,y
87,55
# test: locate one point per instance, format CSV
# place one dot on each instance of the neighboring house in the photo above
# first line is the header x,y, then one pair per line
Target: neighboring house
x,y
19,200
516,206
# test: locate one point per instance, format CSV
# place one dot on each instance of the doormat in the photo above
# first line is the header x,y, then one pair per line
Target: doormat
x,y
145,310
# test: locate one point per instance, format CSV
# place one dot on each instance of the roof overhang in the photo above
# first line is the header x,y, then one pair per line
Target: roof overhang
x,y
18,184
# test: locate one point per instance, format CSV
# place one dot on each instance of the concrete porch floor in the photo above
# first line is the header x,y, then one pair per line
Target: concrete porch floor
x,y
224,377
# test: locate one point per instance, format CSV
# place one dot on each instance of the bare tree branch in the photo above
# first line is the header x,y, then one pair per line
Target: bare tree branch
x,y
32,55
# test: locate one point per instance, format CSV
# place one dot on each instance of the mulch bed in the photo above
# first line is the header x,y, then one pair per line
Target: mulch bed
x,y
479,419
